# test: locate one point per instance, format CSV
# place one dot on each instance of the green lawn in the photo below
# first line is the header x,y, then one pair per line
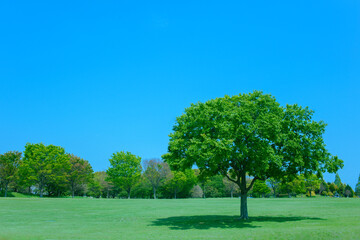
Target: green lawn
x,y
301,218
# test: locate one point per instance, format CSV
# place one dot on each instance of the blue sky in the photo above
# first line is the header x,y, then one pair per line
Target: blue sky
x,y
98,77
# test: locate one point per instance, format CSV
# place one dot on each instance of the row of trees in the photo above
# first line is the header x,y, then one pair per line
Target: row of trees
x,y
50,170
301,184
44,169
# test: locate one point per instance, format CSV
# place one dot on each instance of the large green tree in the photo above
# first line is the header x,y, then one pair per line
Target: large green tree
x,y
9,165
249,134
79,174
124,171
44,166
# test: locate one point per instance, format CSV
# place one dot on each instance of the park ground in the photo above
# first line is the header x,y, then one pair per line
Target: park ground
x,y
85,218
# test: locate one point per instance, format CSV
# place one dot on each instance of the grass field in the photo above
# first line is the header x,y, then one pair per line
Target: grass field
x,y
300,218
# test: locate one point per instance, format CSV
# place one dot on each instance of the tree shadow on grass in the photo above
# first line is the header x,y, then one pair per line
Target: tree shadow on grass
x,y
222,221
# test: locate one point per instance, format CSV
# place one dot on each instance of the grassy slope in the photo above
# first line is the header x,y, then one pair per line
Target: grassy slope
x,y
18,195
317,218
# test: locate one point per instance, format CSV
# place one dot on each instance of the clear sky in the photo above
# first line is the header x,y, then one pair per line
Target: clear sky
x,y
98,77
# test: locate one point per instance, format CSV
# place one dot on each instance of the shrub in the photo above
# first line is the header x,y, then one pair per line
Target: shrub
x,y
283,195
312,194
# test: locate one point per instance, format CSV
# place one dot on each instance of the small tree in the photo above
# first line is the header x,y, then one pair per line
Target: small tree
x,y
9,164
124,170
274,185
348,192
341,190
312,183
80,173
298,185
287,186
333,188
196,192
215,186
323,187
105,186
155,172
178,182
203,182
357,187
230,186
260,189
337,181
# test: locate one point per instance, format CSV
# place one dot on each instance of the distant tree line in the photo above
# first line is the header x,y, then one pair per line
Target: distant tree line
x,y
52,172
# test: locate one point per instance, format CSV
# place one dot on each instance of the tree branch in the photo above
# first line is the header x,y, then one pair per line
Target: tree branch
x,y
252,183
230,179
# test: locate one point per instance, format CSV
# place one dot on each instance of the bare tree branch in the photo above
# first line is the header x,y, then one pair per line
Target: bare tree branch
x,y
252,183
232,180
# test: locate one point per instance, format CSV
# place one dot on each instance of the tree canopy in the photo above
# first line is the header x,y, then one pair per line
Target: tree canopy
x,y
9,164
179,181
260,188
249,134
79,173
155,172
46,166
357,187
337,180
125,170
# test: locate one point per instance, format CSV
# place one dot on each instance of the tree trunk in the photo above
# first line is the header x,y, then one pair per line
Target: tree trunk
x,y
204,196
73,189
107,193
129,194
41,191
6,189
175,194
243,208
154,189
231,193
